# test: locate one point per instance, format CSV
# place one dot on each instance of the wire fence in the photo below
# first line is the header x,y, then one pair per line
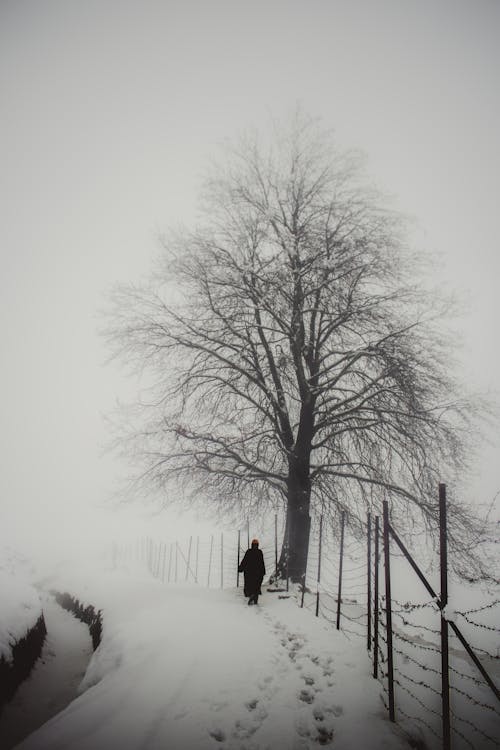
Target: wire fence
x,y
432,681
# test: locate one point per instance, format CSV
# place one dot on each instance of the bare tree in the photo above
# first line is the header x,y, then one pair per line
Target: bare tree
x,y
296,357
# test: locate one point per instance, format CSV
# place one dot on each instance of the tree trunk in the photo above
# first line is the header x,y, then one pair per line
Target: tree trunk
x,y
295,547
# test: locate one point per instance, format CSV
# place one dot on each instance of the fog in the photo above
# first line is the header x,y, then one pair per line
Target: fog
x,y
111,112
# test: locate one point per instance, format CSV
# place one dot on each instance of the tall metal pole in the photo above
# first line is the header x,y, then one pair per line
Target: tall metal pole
x,y
375,601
388,612
341,561
445,676
369,575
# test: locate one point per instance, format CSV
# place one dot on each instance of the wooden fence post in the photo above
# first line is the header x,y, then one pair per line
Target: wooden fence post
x,y
339,592
369,573
445,676
388,613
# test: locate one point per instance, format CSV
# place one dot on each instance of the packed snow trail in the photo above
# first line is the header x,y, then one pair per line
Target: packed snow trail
x,y
185,668
54,680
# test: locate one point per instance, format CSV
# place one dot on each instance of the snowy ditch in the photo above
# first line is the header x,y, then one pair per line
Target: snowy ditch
x,y
22,633
49,662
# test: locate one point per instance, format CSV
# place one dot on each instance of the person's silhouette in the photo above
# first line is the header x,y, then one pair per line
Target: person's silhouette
x,y
253,569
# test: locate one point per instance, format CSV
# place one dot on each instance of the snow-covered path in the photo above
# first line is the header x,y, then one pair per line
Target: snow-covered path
x,y
193,669
54,681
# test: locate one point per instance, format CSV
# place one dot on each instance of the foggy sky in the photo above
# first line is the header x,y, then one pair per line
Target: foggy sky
x,y
111,111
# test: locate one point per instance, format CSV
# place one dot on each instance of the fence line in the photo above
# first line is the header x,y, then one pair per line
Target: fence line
x,y
420,667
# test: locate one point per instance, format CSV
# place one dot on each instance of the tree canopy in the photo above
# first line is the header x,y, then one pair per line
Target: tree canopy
x,y
297,358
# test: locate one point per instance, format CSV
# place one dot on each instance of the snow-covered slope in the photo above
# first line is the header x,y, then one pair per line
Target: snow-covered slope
x,y
19,611
190,668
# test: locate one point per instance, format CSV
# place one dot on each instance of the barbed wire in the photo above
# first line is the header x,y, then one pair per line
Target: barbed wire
x,y
479,609
477,729
479,624
462,736
474,700
421,703
425,667
420,721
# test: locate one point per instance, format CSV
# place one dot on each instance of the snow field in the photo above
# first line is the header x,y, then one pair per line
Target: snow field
x,y
189,668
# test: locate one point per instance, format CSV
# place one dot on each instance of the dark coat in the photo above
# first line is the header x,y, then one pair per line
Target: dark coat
x,y
253,568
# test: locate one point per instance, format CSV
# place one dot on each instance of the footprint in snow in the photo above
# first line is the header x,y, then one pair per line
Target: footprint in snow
x,y
218,735
243,730
325,736
265,682
306,696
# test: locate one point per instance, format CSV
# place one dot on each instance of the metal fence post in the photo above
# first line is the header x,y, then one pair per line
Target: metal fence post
x,y
375,600
369,574
288,557
197,557
319,563
189,556
339,592
445,676
210,559
238,568
222,561
164,562
275,546
170,562
388,612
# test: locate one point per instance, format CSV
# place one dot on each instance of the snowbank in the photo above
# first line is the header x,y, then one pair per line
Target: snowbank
x,y
20,611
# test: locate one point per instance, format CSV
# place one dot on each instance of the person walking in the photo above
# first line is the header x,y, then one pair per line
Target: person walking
x,y
253,569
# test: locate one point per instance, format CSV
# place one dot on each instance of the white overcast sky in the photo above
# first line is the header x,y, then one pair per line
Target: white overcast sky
x,y
110,110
